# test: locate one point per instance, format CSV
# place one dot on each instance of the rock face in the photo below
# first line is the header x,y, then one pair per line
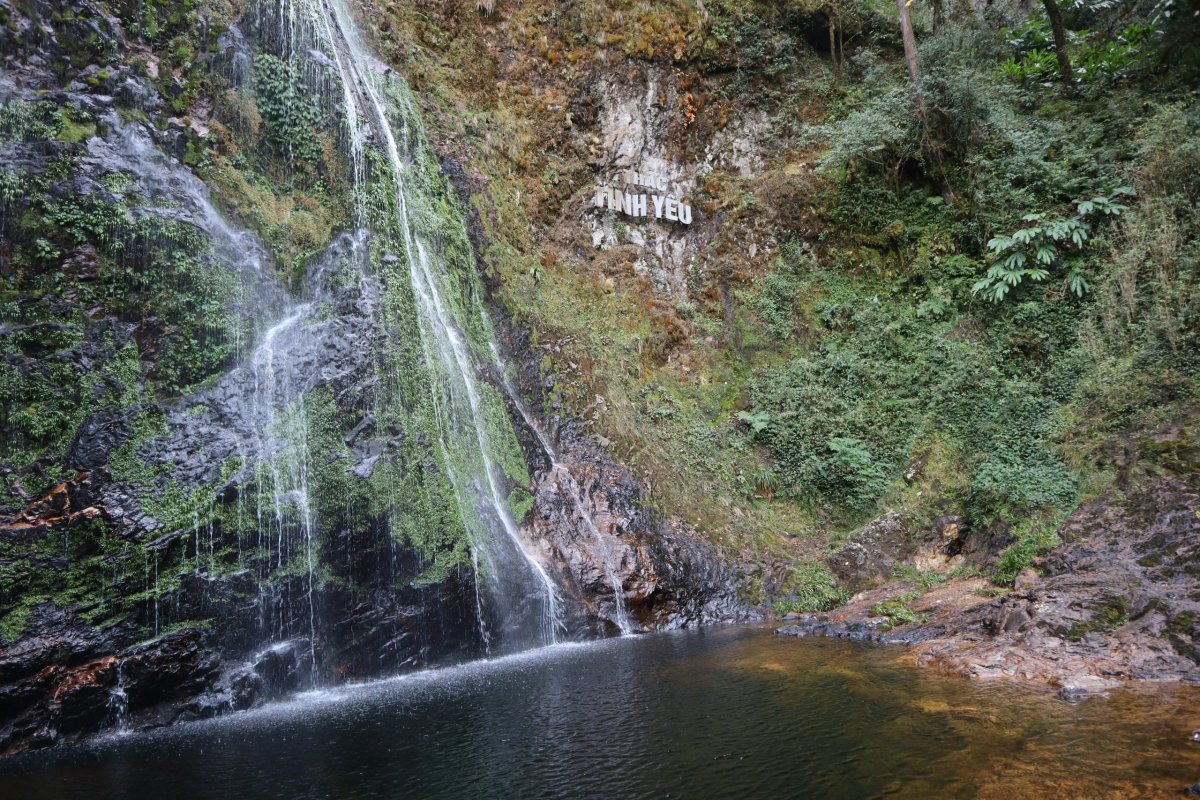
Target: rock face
x,y
1119,600
630,568
205,553
638,127
590,520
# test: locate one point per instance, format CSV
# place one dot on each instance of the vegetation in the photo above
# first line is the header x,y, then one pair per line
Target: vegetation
x,y
811,587
1032,539
896,611
960,274
973,301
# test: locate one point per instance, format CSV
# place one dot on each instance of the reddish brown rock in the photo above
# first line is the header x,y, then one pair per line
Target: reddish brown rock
x,y
1118,601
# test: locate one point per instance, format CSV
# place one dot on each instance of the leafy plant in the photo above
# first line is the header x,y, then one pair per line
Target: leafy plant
x,y
896,610
757,421
1033,538
1029,253
766,483
812,588
849,465
926,579
290,115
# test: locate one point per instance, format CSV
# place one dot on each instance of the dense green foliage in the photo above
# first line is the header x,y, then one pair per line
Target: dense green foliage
x,y
291,117
1007,282
138,268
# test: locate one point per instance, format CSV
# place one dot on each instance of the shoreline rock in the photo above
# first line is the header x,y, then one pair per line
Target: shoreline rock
x,y
1119,601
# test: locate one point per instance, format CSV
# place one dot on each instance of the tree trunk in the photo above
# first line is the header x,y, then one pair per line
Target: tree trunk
x,y
910,56
910,43
1060,42
833,55
939,16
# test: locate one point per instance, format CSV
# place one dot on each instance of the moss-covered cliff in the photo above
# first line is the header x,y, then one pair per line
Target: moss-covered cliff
x,y
969,301
910,330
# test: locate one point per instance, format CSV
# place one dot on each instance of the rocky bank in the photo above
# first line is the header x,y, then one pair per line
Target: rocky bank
x,y
1119,600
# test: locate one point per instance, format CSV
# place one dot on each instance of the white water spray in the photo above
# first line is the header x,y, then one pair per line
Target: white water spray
x,y
442,340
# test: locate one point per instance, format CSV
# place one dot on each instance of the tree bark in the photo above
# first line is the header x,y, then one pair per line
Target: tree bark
x,y
833,55
910,43
1060,42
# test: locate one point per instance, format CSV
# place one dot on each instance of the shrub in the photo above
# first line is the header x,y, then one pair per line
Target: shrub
x,y
896,610
773,300
1044,242
1033,539
812,588
1099,60
290,116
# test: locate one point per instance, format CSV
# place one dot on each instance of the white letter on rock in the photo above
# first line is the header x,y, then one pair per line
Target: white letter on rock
x,y
685,213
636,205
658,205
672,210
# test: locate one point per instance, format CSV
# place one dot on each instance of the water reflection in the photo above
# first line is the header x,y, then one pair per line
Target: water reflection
x,y
720,713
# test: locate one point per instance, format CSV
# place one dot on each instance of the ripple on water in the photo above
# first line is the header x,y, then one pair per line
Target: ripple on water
x,y
731,712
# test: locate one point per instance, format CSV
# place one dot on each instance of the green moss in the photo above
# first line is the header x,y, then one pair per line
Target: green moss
x,y
520,503
896,610
1034,537
1151,560
811,587
1111,613
71,130
1182,623
12,625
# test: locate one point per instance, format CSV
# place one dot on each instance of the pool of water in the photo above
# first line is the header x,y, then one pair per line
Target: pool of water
x,y
727,712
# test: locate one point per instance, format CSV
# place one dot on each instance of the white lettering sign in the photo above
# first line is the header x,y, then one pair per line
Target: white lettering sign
x,y
637,204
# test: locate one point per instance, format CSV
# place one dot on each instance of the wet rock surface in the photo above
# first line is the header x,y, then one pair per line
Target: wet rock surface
x,y
590,518
189,643
1119,600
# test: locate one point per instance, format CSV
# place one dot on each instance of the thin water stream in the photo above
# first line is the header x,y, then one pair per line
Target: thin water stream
x,y
522,593
602,552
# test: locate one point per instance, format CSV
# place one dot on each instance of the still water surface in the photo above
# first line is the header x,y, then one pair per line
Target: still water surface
x,y
720,713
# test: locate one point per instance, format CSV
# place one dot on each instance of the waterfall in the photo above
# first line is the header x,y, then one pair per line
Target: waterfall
x,y
517,601
118,700
288,484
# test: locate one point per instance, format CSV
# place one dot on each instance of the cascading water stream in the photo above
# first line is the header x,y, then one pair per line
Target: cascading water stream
x,y
573,491
468,456
288,485
166,190
118,700
422,402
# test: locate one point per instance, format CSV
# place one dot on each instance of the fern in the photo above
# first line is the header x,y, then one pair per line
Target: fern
x,y
757,421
